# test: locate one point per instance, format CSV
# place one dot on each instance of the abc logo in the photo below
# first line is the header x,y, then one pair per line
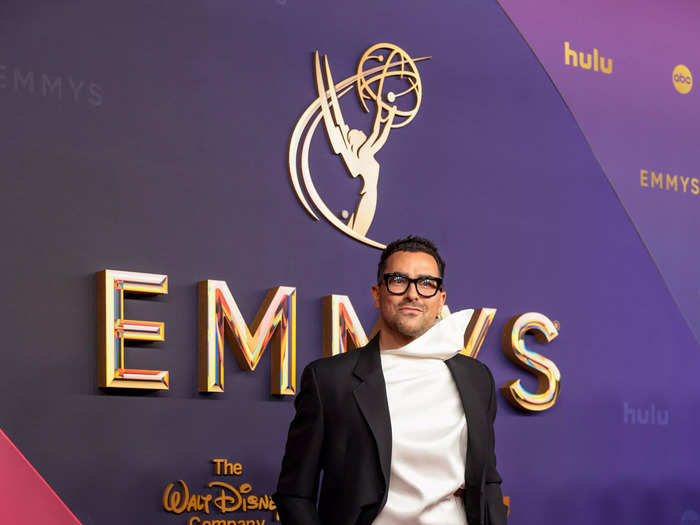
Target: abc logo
x,y
682,79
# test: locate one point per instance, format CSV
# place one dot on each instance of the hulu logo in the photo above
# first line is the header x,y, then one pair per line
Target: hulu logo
x,y
644,416
587,60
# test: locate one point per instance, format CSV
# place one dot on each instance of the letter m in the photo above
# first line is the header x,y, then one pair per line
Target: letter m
x,y
342,330
25,81
48,87
220,320
671,182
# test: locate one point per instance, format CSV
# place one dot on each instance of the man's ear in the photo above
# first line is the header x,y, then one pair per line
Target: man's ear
x,y
443,295
375,295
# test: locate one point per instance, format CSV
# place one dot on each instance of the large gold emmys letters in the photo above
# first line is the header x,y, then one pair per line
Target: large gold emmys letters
x,y
113,329
220,319
547,373
343,331
356,149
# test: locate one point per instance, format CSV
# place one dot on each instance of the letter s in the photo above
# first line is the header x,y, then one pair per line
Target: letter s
x,y
96,95
547,373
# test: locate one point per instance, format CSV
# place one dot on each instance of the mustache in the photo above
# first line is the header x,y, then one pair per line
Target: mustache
x,y
412,304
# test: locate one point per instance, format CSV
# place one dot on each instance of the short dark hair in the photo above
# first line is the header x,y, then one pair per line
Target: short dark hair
x,y
410,244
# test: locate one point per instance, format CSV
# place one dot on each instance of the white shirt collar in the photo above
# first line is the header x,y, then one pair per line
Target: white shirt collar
x,y
442,341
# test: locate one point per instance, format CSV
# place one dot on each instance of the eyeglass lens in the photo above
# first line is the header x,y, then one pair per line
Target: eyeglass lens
x,y
425,286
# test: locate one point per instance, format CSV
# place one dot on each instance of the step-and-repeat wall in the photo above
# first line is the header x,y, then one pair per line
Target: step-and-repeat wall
x,y
195,193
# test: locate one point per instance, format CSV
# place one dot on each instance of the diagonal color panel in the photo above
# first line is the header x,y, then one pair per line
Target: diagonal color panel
x,y
621,86
25,497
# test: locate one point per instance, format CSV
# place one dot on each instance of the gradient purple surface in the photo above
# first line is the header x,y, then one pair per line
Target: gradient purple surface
x,y
181,169
634,119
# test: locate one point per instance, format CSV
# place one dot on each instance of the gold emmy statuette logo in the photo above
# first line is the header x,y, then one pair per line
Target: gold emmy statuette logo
x,y
380,64
682,79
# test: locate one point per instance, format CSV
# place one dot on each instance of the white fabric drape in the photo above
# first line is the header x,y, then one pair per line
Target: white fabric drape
x,y
429,429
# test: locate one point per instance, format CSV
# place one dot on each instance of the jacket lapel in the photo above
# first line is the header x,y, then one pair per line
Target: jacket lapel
x,y
371,398
476,420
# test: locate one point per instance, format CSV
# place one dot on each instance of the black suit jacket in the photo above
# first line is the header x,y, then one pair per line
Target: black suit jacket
x,y
340,438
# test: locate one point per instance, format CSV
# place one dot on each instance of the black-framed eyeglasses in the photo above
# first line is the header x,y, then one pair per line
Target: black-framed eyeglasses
x,y
398,283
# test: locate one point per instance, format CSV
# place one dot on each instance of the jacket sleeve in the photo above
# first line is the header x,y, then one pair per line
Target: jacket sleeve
x,y
297,487
495,510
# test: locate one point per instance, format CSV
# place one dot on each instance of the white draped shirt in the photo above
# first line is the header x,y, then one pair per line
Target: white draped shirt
x,y
428,427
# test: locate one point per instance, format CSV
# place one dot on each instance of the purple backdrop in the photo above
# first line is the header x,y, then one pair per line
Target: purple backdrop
x,y
634,118
152,137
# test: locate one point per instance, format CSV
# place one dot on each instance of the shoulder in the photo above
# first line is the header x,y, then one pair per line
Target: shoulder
x,y
341,362
334,363
333,371
471,362
474,367
333,366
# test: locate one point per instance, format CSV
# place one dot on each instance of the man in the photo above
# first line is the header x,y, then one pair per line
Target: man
x,y
401,430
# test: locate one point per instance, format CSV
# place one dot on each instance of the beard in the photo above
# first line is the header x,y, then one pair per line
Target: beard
x,y
410,326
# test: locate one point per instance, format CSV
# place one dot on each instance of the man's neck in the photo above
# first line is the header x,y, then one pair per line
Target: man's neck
x,y
389,340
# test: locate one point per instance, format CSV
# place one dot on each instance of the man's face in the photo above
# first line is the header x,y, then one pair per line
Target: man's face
x,y
407,316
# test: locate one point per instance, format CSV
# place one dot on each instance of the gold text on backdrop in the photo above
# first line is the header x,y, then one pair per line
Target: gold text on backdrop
x,y
547,373
220,320
665,181
587,60
222,497
113,329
